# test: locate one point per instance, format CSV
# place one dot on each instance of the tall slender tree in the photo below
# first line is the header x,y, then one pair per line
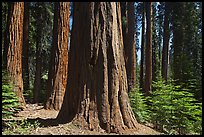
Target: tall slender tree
x,y
166,38
96,93
38,61
14,48
148,55
130,46
58,71
142,65
26,46
6,36
155,44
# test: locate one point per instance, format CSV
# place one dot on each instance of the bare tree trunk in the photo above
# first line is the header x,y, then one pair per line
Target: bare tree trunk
x,y
58,72
165,44
38,71
6,36
26,46
96,94
14,54
131,47
148,64
142,65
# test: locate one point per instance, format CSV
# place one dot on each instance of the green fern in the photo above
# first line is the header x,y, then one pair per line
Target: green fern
x,y
10,102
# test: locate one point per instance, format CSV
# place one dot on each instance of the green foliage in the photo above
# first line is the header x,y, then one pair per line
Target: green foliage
x,y
174,110
10,102
139,106
20,127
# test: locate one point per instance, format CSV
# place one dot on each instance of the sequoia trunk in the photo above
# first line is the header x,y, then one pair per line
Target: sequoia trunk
x,y
96,93
57,77
14,52
130,48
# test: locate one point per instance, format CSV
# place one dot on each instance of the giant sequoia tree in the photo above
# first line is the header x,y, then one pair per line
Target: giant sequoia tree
x,y
96,93
13,47
57,77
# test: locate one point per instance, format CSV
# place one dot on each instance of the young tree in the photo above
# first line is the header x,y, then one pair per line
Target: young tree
x,y
148,55
96,93
58,71
14,48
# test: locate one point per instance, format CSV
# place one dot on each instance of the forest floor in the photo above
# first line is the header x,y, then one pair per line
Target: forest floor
x,y
34,112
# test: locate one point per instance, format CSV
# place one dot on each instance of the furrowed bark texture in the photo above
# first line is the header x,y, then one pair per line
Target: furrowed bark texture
x,y
57,77
14,54
96,93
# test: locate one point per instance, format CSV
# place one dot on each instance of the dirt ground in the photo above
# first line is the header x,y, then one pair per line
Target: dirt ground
x,y
36,112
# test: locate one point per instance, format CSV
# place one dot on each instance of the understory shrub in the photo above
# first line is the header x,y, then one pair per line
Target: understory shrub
x,y
139,105
174,110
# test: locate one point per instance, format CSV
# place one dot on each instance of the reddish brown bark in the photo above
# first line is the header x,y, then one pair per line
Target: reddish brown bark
x,y
57,77
14,54
148,55
96,94
130,48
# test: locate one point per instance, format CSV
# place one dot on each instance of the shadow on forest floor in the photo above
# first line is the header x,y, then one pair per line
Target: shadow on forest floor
x,y
44,122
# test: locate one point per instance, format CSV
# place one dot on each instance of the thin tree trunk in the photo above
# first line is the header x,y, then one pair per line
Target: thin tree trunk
x,y
57,77
38,71
6,36
148,64
14,54
165,51
26,46
96,94
155,52
142,65
131,47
